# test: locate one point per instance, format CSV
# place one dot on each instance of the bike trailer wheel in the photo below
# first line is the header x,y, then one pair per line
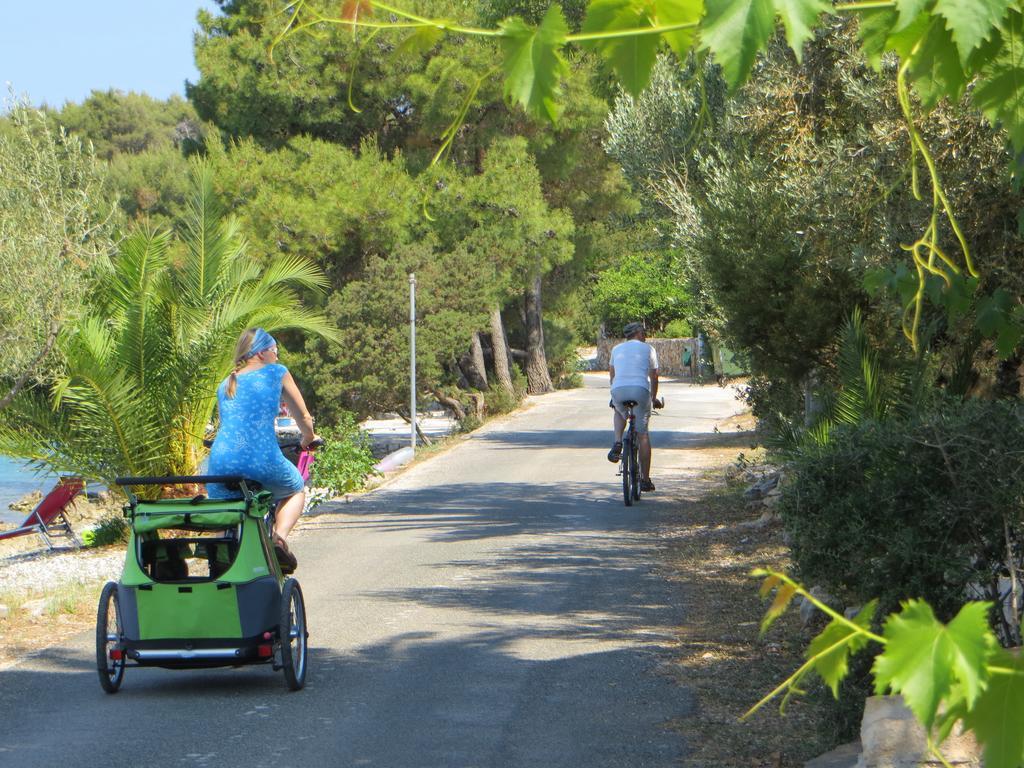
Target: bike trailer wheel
x,y
109,655
293,635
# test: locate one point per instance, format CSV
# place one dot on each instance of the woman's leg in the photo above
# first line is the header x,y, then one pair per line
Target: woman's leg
x,y
288,512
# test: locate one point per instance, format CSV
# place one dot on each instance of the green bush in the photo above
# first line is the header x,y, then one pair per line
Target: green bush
x,y
345,461
677,329
498,401
916,507
776,404
112,529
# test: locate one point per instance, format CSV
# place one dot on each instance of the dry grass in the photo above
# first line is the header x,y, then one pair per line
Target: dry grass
x,y
38,620
713,547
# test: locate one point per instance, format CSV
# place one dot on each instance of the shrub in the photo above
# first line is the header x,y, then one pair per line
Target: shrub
x,y
776,404
498,401
912,507
112,529
345,461
677,329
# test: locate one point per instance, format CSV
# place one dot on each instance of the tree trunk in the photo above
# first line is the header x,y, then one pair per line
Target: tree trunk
x,y
424,440
502,358
472,364
813,405
51,337
450,403
538,380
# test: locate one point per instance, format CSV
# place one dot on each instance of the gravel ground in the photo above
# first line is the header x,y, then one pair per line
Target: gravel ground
x,y
36,571
27,566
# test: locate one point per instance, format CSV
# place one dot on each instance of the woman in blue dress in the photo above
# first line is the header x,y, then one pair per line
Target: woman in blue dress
x,y
246,444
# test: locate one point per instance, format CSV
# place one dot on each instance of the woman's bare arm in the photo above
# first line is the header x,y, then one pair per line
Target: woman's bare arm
x,y
297,408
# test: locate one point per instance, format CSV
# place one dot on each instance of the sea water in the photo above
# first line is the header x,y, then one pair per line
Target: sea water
x,y
17,479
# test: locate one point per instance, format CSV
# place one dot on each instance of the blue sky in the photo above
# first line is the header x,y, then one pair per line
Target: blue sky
x,y
60,50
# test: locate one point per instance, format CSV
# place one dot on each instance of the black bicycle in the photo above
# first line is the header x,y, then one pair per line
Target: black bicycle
x,y
629,467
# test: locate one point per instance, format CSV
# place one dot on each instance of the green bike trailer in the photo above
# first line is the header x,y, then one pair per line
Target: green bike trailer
x,y
201,587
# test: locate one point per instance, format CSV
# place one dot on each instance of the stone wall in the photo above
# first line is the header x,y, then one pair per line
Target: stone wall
x,y
670,355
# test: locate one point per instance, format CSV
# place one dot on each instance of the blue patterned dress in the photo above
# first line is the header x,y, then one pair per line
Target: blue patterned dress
x,y
246,444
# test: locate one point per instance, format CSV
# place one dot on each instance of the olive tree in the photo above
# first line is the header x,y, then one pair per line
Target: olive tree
x,y
54,228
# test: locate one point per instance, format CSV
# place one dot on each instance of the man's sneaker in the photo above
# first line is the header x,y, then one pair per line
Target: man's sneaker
x,y
615,453
646,485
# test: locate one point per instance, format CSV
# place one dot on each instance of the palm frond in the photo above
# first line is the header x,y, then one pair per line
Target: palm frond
x,y
144,363
295,271
206,237
862,393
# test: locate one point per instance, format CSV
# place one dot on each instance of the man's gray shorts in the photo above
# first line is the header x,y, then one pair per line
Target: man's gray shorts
x,y
642,396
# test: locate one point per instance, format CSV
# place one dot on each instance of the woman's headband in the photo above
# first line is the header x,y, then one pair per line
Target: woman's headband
x,y
261,342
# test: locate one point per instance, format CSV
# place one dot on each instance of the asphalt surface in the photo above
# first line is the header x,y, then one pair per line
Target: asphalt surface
x,y
495,605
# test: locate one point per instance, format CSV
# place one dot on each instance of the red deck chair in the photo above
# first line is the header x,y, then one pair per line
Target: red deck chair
x,y
50,515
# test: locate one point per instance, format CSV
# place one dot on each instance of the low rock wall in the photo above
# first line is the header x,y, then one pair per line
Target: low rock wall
x,y
671,354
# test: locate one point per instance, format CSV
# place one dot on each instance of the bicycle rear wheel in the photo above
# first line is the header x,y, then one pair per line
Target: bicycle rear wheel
x,y
627,470
634,466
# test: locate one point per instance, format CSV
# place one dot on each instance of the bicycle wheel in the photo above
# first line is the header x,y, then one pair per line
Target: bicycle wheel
x,y
634,466
627,470
108,638
293,635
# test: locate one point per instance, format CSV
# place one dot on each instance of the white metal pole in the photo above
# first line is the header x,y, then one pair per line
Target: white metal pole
x,y
412,358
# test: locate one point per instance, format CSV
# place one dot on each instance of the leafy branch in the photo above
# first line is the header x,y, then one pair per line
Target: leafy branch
x,y
946,673
943,46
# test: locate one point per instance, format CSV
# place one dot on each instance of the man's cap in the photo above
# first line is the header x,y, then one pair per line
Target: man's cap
x,y
632,329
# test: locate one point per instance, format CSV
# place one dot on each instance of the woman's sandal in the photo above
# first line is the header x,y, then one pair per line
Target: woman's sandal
x,y
285,557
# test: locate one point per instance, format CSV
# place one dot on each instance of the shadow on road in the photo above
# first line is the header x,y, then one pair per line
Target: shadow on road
x,y
600,440
413,701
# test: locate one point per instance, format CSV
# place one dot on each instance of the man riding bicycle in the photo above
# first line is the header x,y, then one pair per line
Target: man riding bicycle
x,y
633,372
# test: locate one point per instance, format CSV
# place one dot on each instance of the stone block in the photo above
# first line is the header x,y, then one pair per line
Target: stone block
x,y
892,738
844,756
34,608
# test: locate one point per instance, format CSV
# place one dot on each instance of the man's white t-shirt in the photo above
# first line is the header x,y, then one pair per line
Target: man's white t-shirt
x,y
633,361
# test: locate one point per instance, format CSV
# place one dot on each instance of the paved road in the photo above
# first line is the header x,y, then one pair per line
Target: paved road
x,y
494,606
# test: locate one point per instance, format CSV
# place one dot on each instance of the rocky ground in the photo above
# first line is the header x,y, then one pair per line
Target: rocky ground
x,y
46,595
713,543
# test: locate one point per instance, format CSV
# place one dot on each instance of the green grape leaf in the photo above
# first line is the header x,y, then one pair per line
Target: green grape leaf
x,y
631,57
831,650
734,31
985,53
799,17
679,12
877,280
957,297
1007,340
935,67
1000,90
875,27
997,717
971,22
904,40
993,312
924,660
971,645
908,11
420,41
905,283
533,63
